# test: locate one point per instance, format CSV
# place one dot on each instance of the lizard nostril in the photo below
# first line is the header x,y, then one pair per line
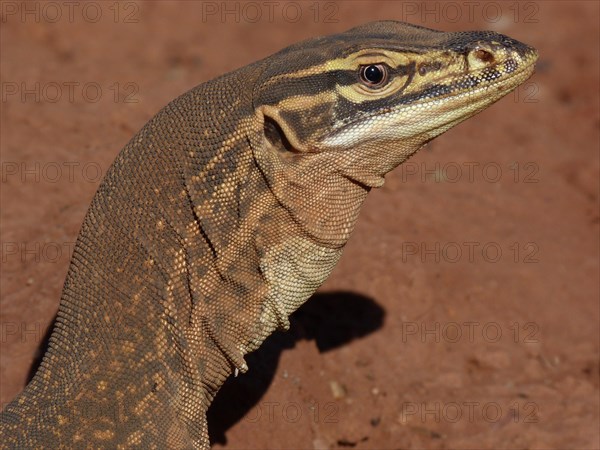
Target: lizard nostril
x,y
484,56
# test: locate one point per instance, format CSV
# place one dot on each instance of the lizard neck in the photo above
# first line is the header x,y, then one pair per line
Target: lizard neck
x,y
193,251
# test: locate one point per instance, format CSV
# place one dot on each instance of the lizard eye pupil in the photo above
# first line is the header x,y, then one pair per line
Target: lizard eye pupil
x,y
374,75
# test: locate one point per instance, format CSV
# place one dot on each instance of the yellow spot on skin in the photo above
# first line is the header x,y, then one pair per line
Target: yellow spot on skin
x,y
62,420
160,225
102,385
135,438
104,435
128,347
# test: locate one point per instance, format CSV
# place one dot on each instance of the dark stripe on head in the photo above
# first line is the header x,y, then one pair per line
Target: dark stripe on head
x,y
322,82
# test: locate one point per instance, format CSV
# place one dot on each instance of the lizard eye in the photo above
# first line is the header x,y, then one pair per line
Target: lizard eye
x,y
374,75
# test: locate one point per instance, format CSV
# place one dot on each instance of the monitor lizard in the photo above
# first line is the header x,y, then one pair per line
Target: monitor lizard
x,y
225,212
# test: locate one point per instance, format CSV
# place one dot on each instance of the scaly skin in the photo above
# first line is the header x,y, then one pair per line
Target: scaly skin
x,y
226,212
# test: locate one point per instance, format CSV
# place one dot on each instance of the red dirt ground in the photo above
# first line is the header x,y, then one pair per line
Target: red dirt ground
x,y
415,341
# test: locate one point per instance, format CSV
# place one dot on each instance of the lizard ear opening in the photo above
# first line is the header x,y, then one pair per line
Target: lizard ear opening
x,y
276,138
278,132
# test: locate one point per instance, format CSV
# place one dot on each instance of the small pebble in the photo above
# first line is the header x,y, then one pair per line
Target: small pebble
x,y
337,390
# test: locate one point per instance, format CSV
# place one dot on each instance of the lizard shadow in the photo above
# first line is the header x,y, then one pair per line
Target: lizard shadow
x,y
331,319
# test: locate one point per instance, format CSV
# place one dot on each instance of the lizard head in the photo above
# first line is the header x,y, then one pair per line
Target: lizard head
x,y
363,101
